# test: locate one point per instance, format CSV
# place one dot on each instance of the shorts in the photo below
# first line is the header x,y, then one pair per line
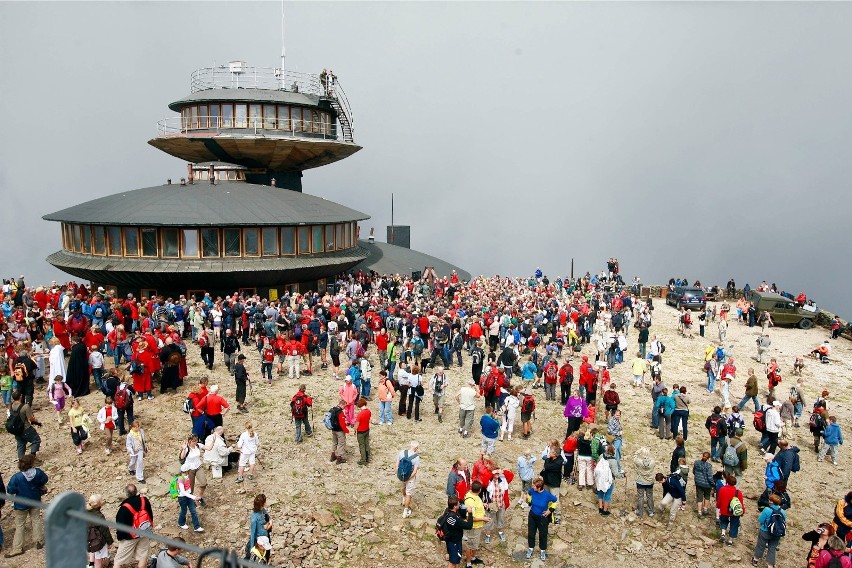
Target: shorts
x,y
281,359
702,493
410,486
100,554
489,445
438,400
247,459
473,538
497,520
454,551
526,416
132,551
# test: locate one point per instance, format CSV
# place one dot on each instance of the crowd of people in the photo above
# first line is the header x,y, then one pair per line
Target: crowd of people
x,y
519,335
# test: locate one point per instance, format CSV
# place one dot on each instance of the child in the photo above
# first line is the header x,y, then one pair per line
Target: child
x,y
106,418
833,437
75,418
137,447
6,387
673,493
788,414
57,394
718,483
683,470
497,499
96,362
262,550
611,400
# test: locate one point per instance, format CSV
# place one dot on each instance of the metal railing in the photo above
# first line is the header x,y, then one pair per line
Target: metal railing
x,y
176,125
66,523
238,75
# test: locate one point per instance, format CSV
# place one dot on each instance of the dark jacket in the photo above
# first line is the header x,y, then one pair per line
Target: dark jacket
x,y
455,525
107,536
240,374
679,452
788,460
702,472
763,500
27,484
673,486
552,472
125,517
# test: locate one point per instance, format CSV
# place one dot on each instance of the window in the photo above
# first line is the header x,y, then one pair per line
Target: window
x,y
87,239
270,241
240,114
131,241
288,240
284,122
354,234
269,117
214,116
315,121
326,123
227,116
114,241
203,116
317,239
193,117
254,116
99,241
295,118
339,236
190,242
76,235
347,235
209,242
170,243
184,118
232,242
304,240
149,242
250,242
329,238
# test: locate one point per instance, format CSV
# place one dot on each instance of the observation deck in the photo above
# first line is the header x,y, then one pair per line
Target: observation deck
x,y
265,119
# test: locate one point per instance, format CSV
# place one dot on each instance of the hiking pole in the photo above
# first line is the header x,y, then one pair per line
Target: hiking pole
x,y
313,424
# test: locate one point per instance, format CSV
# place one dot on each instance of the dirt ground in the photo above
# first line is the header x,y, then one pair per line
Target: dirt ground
x,y
351,515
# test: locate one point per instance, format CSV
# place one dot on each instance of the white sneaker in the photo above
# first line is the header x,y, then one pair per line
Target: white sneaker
x,y
184,527
199,529
406,513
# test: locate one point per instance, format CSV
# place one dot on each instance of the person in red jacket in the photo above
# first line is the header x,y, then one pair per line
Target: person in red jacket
x,y
727,520
338,433
551,377
587,375
482,470
142,382
459,480
566,379
60,332
382,339
611,400
93,337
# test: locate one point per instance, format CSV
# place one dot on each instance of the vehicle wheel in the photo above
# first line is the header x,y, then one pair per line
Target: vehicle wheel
x,y
806,323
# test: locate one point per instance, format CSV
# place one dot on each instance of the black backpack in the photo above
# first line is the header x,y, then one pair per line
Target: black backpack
x,y
15,424
440,530
95,539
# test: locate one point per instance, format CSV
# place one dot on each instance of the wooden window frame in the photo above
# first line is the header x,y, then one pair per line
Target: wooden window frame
x,y
218,116
142,242
294,241
299,240
85,230
222,108
263,242
183,243
274,118
218,242
124,250
313,239
244,248
203,116
109,250
286,121
338,236
329,243
162,241
102,230
225,242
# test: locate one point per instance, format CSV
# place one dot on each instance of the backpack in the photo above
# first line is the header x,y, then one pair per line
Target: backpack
x,y
173,488
298,407
96,540
136,367
99,313
334,347
686,318
528,404
730,457
417,346
440,532
550,372
141,518
476,357
359,350
717,427
122,399
794,393
816,422
331,420
405,467
777,525
490,384
759,421
188,405
439,385
15,424
736,505
662,347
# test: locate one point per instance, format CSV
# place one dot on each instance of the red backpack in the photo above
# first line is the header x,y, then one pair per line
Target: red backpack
x,y
141,518
528,404
490,384
121,398
759,421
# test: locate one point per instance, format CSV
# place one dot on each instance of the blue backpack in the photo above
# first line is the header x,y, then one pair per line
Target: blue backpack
x,y
405,467
777,525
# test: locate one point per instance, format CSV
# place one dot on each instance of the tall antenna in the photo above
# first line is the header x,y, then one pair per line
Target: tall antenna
x,y
393,241
283,52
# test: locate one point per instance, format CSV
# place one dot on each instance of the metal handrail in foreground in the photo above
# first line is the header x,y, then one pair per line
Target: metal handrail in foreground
x,y
66,524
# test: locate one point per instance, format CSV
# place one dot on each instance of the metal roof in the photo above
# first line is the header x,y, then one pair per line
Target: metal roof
x,y
207,205
385,258
253,95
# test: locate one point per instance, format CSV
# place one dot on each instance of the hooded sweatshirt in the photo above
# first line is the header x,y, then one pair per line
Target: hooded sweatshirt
x,y
644,463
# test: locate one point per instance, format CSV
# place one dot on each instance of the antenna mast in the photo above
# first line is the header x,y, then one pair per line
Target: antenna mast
x,y
282,44
393,241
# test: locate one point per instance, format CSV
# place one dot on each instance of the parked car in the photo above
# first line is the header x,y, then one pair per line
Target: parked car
x,y
785,311
692,298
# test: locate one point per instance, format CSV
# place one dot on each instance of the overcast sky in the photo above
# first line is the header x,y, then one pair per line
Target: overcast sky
x,y
706,140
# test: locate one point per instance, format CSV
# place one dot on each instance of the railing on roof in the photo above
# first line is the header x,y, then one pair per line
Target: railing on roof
x,y
239,75
66,522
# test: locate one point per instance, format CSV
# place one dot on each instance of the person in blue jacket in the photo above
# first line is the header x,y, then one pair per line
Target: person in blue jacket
x,y
28,483
542,503
664,407
773,471
260,522
766,540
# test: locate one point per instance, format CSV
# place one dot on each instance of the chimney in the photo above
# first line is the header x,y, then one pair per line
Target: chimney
x,y
211,174
169,181
183,181
372,239
272,182
190,175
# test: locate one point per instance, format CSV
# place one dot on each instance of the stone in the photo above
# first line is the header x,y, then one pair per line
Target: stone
x,y
705,565
323,517
520,555
691,552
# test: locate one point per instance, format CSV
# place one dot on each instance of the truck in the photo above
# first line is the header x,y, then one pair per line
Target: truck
x,y
785,311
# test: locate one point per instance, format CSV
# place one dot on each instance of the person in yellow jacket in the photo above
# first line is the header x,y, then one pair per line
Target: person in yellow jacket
x,y
474,504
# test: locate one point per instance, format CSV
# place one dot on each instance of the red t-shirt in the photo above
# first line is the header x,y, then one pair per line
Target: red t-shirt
x,y
362,421
215,404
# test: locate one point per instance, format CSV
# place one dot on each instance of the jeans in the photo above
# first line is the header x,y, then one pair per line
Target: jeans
x,y
537,523
732,524
391,368
716,447
745,400
644,496
385,412
302,422
120,422
655,418
565,392
28,436
616,443
266,370
771,442
711,381
187,503
118,354
828,448
549,391
768,543
606,496
413,404
98,373
680,418
366,387
642,349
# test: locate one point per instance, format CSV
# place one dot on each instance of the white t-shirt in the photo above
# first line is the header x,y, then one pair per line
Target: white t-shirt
x,y
248,444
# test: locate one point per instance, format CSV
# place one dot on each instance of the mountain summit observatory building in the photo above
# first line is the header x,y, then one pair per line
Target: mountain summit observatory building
x,y
237,219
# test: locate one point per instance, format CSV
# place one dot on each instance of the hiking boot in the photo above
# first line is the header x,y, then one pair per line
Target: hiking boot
x,y
488,539
440,418
529,553
543,555
341,460
239,479
333,457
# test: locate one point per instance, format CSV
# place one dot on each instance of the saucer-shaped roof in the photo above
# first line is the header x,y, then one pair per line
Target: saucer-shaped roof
x,y
203,204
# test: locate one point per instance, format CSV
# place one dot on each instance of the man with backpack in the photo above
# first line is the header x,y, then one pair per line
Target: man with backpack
x,y
29,483
338,432
407,466
20,424
788,458
450,528
716,426
527,410
299,407
135,511
566,379
773,526
438,385
477,359
735,455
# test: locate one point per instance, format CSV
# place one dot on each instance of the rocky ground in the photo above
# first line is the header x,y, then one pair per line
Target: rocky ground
x,y
350,515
